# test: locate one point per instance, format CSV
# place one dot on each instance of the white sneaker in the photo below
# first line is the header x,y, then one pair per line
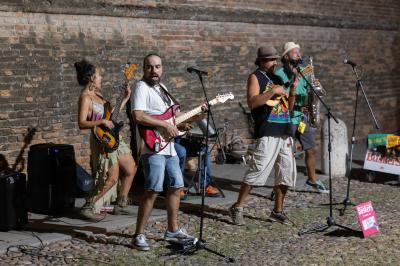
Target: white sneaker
x,y
178,235
139,242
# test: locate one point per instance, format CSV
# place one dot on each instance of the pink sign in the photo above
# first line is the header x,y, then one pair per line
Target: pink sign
x,y
367,218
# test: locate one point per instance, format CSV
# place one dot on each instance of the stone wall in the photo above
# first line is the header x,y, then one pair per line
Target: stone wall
x,y
40,41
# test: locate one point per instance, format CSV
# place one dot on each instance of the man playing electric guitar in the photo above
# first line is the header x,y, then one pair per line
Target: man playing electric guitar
x,y
151,98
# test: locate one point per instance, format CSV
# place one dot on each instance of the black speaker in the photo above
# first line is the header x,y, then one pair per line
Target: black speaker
x,y
51,178
13,212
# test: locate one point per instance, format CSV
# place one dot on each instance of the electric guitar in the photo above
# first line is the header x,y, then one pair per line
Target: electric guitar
x,y
156,140
308,70
109,138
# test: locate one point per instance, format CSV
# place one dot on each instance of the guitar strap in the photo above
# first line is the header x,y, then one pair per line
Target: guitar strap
x,y
166,95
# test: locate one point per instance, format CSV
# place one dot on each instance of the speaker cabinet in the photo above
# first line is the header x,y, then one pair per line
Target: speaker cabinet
x,y
51,178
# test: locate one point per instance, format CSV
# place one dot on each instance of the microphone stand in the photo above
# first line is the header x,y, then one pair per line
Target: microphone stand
x,y
359,85
200,243
330,221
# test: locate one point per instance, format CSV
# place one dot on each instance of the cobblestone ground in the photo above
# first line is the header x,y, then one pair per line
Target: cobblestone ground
x,y
260,242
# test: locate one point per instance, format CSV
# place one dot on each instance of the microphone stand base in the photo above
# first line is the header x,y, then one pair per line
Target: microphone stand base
x,y
330,221
193,245
346,202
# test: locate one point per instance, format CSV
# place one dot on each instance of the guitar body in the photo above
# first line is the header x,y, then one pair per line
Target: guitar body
x,y
277,100
155,140
108,138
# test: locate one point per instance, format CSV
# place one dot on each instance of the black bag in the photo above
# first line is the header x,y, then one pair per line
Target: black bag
x,y
84,182
13,212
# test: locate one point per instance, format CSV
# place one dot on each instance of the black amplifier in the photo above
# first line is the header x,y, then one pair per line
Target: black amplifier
x,y
51,178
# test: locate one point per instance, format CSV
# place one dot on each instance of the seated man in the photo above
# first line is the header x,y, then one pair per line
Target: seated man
x,y
182,146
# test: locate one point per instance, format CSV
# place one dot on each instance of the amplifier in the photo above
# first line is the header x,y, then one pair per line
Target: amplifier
x,y
51,178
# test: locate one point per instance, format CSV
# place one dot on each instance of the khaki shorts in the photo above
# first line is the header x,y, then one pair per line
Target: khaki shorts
x,y
269,153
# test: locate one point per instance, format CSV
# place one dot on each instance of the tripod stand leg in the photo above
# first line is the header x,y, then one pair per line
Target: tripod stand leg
x,y
347,228
314,229
229,259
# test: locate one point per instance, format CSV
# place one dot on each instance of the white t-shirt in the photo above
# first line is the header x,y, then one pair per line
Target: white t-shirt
x,y
146,99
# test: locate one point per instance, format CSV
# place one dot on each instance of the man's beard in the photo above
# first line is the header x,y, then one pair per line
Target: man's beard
x,y
287,69
153,80
271,70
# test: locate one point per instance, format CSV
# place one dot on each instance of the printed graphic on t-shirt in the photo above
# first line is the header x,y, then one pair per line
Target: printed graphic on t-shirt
x,y
280,111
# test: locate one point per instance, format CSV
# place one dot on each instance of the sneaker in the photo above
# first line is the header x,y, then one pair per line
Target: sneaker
x,y
178,235
212,191
317,186
236,214
279,217
122,207
139,242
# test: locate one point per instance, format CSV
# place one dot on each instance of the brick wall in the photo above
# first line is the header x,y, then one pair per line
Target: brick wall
x,y
40,41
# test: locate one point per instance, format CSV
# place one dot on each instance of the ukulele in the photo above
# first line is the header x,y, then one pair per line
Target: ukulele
x,y
109,138
308,70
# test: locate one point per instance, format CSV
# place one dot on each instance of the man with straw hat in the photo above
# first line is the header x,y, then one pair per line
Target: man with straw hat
x,y
291,58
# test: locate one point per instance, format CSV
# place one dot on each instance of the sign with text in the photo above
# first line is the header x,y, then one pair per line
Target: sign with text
x,y
375,161
367,218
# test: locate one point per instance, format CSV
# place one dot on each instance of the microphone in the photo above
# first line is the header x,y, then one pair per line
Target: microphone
x,y
197,71
345,61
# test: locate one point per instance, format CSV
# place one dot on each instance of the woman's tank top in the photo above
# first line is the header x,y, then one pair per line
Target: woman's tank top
x,y
97,111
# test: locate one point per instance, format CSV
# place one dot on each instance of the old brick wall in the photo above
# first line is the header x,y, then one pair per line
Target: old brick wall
x,y
40,41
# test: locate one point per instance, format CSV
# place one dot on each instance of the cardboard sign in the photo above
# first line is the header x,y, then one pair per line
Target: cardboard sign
x,y
367,218
377,162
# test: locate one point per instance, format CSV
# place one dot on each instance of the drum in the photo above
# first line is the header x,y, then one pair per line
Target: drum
x,y
192,141
203,127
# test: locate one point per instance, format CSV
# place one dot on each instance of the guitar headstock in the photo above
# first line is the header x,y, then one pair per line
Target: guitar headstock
x,y
129,70
221,98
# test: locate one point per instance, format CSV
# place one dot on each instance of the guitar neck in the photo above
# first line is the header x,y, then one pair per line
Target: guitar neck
x,y
115,113
186,116
219,99
118,104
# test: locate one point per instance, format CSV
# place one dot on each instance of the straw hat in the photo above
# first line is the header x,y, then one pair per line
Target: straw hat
x,y
289,46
